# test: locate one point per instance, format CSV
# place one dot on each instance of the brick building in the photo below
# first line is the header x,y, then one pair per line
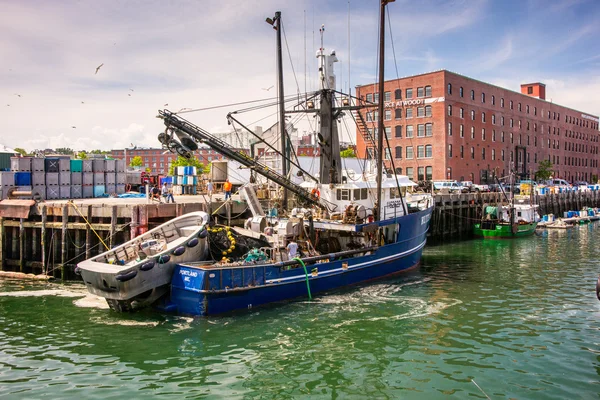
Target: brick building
x,y
442,125
159,162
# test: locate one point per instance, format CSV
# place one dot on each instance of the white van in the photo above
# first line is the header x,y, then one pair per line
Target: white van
x,y
450,186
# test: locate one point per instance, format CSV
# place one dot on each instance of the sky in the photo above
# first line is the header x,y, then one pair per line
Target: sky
x,y
158,54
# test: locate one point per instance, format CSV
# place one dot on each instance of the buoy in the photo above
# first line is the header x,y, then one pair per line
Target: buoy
x,y
126,276
598,288
179,251
194,241
147,266
164,259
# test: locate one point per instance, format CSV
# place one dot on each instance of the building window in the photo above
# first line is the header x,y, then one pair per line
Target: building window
x,y
409,172
520,107
409,112
527,109
510,105
493,100
512,123
483,97
428,111
420,111
399,152
420,130
534,110
462,130
409,153
398,113
450,151
512,139
493,154
428,130
387,96
472,95
398,131
502,121
472,132
461,91
421,173
421,151
502,155
388,115
502,102
483,134
483,153
493,119
472,153
462,151
529,89
420,92
427,91
428,173
398,94
388,132
376,98
462,112
472,115
449,88
409,131
409,93
449,128
493,135
449,110
482,117
527,125
388,153
370,98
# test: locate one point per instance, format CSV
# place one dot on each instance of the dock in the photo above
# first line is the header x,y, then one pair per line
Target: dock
x,y
51,237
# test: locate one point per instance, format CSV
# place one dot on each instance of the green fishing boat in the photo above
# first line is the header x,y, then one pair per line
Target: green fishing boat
x,y
507,222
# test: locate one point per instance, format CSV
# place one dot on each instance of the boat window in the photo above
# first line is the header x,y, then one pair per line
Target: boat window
x,y
343,194
356,194
363,193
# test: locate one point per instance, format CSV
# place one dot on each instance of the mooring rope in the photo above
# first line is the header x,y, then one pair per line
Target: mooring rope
x,y
87,222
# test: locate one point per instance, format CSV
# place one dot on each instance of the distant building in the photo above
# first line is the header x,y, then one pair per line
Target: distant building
x,y
442,125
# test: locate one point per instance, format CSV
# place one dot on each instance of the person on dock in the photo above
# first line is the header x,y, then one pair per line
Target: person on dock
x,y
227,187
209,188
155,194
167,193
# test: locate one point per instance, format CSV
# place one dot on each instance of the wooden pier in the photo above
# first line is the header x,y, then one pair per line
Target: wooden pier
x,y
52,237
455,214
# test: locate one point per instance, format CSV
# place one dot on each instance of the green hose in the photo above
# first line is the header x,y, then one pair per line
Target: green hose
x,y
306,274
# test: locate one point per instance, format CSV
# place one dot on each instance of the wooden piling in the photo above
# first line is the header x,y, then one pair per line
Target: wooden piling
x,y
113,226
2,244
43,246
88,233
133,226
63,250
21,244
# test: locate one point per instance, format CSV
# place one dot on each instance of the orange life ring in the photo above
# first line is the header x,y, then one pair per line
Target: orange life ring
x,y
315,193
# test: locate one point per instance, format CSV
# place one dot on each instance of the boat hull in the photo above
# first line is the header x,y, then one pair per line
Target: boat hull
x,y
504,231
209,290
127,273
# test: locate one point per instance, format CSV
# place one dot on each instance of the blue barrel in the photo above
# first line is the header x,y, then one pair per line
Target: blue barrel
x,y
22,178
99,190
571,214
545,218
195,180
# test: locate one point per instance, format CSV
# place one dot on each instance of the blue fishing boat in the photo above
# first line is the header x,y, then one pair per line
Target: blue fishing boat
x,y
341,227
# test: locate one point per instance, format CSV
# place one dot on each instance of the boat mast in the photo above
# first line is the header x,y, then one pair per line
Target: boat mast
x,y
285,149
380,127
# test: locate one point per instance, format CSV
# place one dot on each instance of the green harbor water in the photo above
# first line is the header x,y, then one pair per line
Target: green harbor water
x,y
519,318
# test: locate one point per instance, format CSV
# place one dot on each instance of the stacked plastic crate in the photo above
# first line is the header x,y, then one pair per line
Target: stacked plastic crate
x,y
185,180
52,168
64,178
87,185
38,176
76,179
120,176
7,182
21,166
98,167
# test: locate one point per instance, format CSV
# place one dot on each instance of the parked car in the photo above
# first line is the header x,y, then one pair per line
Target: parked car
x,y
472,187
450,186
508,188
494,187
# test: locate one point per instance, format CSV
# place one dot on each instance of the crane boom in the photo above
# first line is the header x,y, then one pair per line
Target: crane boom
x,y
182,126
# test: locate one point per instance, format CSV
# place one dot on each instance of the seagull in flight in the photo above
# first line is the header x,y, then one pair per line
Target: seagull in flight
x,y
98,68
131,90
17,94
166,104
267,89
73,127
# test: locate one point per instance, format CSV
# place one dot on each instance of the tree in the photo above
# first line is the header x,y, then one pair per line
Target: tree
x,y
185,162
64,150
348,153
21,151
136,161
99,152
82,155
544,171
